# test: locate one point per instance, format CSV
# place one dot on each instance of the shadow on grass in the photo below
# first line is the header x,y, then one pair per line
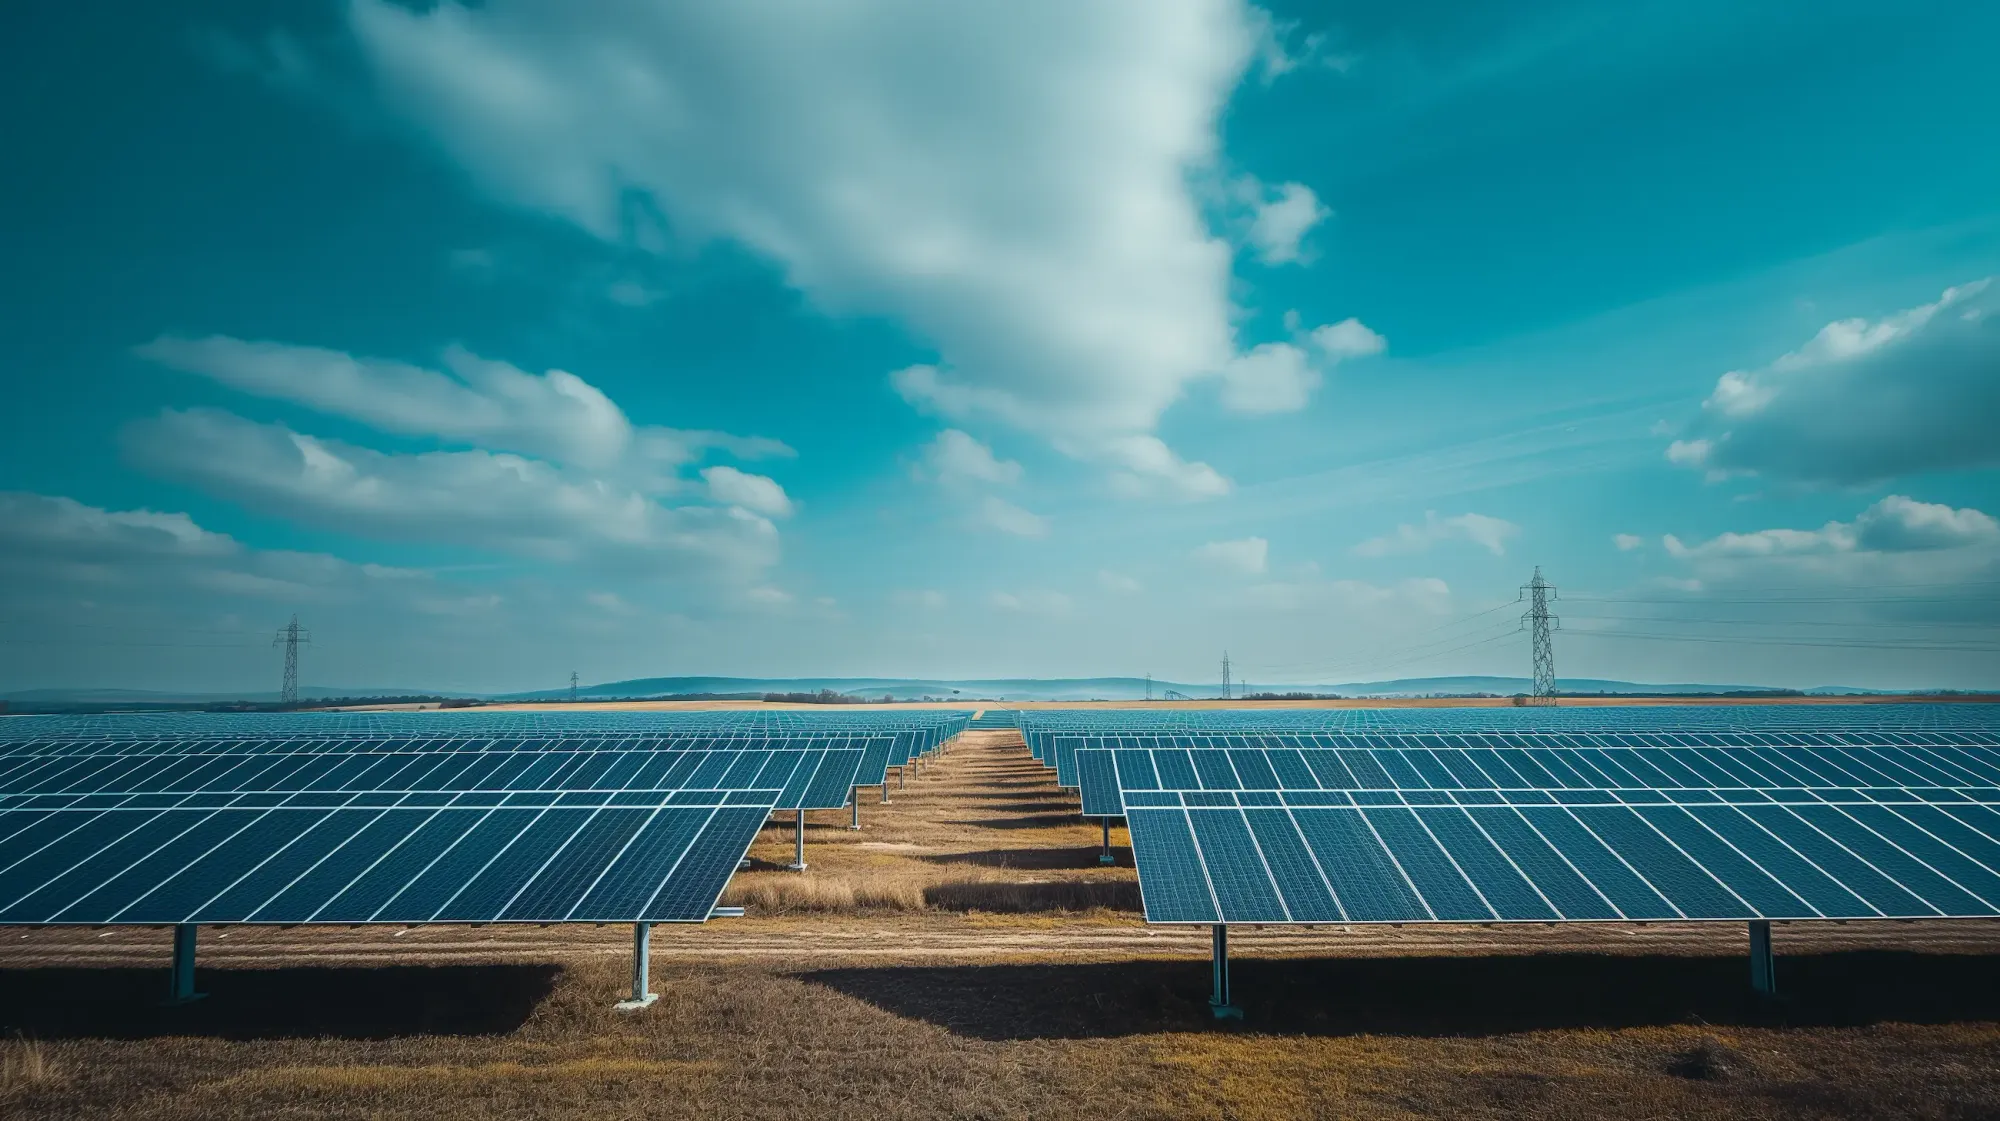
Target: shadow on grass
x,y
338,1002
1032,821
1033,859
1450,996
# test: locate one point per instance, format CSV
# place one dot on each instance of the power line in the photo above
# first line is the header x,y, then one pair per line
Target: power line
x,y
1751,640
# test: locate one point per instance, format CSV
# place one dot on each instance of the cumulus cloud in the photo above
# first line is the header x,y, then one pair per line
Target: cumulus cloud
x,y
1627,542
997,513
478,498
1491,534
494,405
1281,376
1281,223
755,493
1862,401
957,457
51,539
1896,524
1247,557
1009,181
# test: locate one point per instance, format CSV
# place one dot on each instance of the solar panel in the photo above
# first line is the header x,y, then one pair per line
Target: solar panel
x,y
1361,836
385,831
1469,754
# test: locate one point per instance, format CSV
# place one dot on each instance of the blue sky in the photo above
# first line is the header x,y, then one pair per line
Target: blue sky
x,y
1028,340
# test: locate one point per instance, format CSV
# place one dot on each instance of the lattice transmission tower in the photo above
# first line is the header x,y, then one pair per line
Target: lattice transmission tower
x,y
1225,675
1149,686
1541,625
572,686
290,636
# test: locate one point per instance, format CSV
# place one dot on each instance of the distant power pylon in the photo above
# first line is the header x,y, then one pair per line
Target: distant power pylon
x,y
289,637
1149,686
1540,624
1225,675
572,686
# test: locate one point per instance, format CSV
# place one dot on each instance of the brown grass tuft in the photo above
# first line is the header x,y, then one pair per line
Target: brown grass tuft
x,y
779,893
24,1063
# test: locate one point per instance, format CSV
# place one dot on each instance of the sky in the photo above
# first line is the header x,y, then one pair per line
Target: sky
x,y
894,338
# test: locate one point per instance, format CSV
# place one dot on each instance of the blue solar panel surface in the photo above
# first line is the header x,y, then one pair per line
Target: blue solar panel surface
x,y
377,830
1515,834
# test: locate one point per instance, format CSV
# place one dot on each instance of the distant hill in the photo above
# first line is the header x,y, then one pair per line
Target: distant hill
x,y
910,688
1109,688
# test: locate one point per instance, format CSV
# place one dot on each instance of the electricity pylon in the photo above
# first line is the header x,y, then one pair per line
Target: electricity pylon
x,y
289,637
1540,625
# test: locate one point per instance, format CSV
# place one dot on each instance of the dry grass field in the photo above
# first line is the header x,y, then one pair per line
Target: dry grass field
x,y
965,956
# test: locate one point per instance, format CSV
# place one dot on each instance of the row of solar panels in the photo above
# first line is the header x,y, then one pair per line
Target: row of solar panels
x,y
937,725
1568,718
373,829
1285,836
1502,755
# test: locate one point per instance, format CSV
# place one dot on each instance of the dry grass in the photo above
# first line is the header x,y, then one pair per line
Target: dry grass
x,y
784,893
25,1063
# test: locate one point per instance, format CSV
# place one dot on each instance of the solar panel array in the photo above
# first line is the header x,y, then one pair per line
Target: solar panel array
x,y
1743,814
298,818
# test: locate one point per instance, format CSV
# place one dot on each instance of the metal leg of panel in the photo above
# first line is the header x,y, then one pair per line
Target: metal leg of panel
x,y
1105,857
799,852
642,963
180,989
1218,1003
885,791
902,776
1763,964
854,808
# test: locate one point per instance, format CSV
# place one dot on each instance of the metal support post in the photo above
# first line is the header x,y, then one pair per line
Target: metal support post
x,y
885,791
1105,857
902,776
642,962
799,854
1763,964
854,808
1218,1003
181,987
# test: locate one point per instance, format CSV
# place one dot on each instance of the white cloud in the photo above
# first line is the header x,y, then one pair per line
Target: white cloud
x,y
1281,223
47,540
1150,468
1491,534
1011,182
1863,401
554,415
1280,377
1032,602
478,498
1271,378
755,493
766,596
1627,542
1247,557
1349,338
1896,524
1006,517
1117,582
956,457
